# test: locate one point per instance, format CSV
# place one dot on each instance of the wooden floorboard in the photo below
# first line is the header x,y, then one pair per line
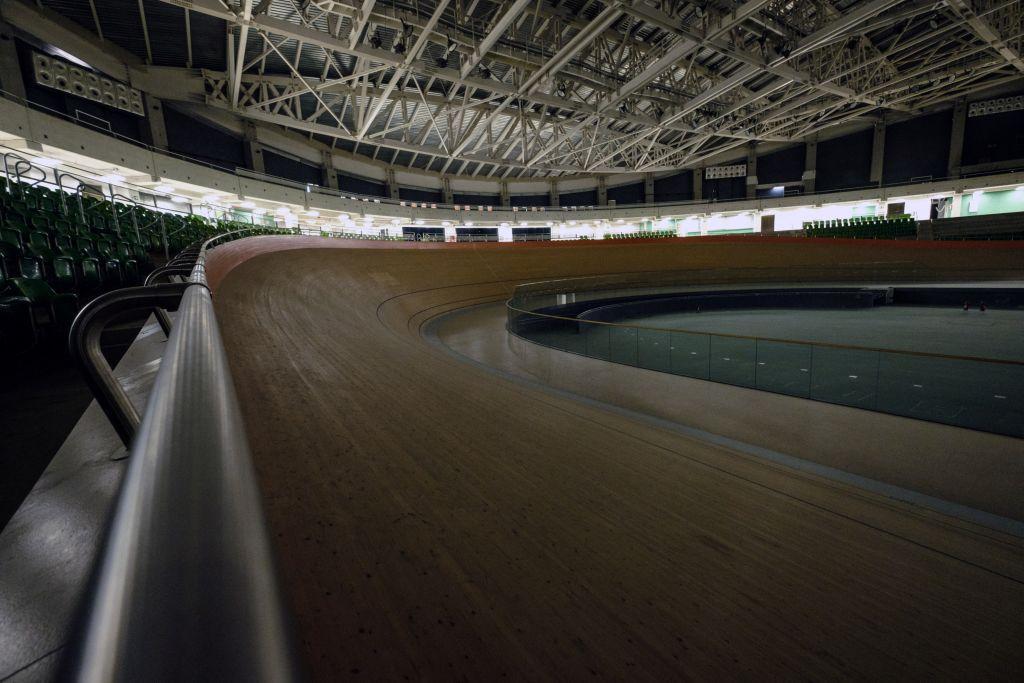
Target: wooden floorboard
x,y
434,521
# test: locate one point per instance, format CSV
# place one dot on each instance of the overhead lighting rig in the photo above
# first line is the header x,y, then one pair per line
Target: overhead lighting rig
x,y
403,39
442,61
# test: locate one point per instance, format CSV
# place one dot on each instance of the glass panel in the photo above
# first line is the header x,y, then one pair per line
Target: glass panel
x,y
688,354
974,394
1005,400
784,368
980,394
568,337
845,376
921,387
733,360
598,337
622,344
559,334
654,350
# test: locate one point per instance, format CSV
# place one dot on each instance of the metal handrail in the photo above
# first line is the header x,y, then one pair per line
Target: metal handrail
x,y
84,342
185,588
59,177
21,163
168,271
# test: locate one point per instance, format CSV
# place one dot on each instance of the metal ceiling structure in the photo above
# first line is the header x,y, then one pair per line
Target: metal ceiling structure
x,y
542,88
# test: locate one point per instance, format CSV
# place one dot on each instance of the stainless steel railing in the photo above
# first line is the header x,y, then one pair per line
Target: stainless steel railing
x,y
185,587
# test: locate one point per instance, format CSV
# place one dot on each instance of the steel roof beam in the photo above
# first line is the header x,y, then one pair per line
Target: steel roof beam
x,y
966,11
608,16
359,21
243,36
481,50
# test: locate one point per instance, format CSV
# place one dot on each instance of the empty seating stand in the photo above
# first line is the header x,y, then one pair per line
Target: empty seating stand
x,y
642,235
864,227
59,250
361,236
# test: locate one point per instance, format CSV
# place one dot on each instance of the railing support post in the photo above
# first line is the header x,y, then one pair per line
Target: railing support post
x,y
84,344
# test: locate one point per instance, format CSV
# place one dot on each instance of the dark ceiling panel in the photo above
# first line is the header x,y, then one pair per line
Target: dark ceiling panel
x,y
166,25
122,25
208,41
75,10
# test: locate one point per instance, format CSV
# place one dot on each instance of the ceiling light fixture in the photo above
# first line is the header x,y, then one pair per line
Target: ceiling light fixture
x,y
403,39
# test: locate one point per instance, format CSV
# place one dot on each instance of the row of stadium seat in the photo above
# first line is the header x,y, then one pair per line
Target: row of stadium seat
x,y
59,250
864,227
653,234
361,236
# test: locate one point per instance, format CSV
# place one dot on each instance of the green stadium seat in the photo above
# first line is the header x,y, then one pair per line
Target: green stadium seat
x,y
17,329
50,311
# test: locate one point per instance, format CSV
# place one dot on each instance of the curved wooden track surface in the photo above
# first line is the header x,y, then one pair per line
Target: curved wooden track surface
x,y
433,521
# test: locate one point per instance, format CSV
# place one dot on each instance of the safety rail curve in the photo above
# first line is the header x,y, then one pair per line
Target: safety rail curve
x,y
185,588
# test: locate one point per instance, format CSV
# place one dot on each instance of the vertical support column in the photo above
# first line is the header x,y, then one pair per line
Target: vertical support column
x,y
155,119
751,170
10,69
956,138
648,188
503,191
391,183
553,192
878,154
698,183
328,178
810,164
957,209
252,149
447,196
602,191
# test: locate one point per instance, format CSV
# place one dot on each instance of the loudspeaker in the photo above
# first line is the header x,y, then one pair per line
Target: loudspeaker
x,y
56,73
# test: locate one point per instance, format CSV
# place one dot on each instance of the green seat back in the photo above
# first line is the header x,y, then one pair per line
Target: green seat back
x,y
39,240
12,236
91,277
31,269
64,273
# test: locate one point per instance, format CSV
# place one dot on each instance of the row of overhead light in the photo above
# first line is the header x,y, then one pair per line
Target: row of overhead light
x,y
174,195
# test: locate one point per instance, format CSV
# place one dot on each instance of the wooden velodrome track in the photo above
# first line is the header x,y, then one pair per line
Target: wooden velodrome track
x,y
433,521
